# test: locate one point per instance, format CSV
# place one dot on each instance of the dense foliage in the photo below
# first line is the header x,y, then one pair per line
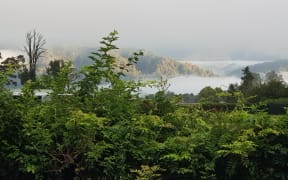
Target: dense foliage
x,y
99,128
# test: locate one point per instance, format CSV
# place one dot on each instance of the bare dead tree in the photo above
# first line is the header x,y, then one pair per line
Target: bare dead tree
x,y
34,49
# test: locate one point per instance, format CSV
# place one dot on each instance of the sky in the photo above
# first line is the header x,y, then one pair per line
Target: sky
x,y
179,28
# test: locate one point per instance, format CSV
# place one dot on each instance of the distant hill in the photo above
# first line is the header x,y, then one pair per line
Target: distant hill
x,y
278,65
149,65
264,67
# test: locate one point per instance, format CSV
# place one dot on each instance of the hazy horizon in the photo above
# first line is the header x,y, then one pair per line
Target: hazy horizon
x,y
199,28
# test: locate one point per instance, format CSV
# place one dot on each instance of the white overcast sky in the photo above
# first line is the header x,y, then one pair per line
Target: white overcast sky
x,y
188,25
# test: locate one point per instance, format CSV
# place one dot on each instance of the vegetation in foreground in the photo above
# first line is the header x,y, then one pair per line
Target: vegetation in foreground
x,y
90,131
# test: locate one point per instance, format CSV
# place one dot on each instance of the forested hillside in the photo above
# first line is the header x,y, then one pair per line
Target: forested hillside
x,y
85,130
264,67
148,66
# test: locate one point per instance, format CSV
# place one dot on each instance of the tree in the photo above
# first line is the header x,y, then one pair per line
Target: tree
x,y
208,94
250,81
62,80
106,70
13,65
34,49
274,86
54,67
273,76
13,62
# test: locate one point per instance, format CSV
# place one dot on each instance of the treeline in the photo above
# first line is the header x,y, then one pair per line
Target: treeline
x,y
268,90
90,131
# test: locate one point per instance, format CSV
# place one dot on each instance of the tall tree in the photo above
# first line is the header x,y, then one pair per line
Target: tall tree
x,y
250,81
54,67
34,49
